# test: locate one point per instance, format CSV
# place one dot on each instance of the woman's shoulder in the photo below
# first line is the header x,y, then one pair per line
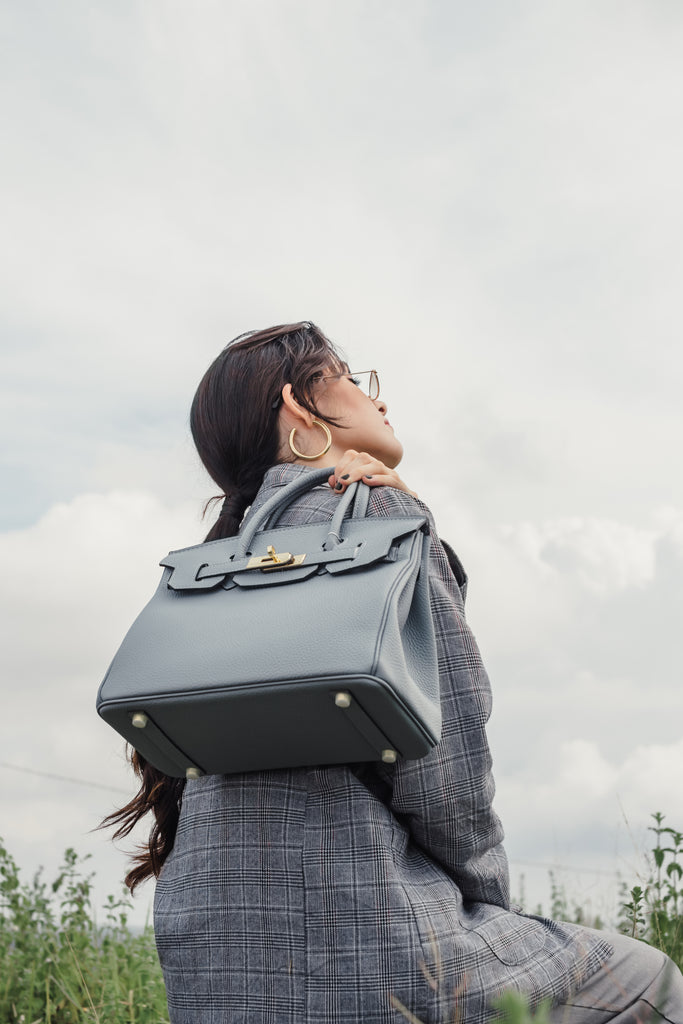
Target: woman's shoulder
x,y
313,505
390,502
384,501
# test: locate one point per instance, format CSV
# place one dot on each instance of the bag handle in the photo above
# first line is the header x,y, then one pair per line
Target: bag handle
x,y
283,497
276,504
357,494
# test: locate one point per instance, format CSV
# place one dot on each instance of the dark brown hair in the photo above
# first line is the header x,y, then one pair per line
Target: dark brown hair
x,y
234,423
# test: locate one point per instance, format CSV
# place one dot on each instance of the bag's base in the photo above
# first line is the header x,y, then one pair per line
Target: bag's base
x,y
227,729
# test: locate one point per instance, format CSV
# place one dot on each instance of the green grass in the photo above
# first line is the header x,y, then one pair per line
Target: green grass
x,y
57,966
654,911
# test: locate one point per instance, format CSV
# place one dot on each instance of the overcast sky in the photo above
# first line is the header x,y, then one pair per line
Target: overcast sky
x,y
484,202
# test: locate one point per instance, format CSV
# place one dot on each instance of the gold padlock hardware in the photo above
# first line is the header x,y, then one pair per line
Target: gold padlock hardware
x,y
272,562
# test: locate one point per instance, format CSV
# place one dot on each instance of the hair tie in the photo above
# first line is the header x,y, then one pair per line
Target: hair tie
x,y
233,505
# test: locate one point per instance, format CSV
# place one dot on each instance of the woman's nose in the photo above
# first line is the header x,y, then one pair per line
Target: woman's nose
x,y
381,405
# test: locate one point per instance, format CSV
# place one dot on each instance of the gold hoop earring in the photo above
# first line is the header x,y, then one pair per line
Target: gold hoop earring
x,y
328,435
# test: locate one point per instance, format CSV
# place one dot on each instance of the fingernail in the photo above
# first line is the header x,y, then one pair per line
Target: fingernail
x,y
368,477
339,487
346,476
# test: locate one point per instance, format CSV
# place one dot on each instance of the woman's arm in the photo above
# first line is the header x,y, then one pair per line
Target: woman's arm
x,y
445,798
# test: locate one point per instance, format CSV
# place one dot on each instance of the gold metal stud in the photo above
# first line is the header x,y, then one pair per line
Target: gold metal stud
x,y
193,772
343,699
139,720
389,756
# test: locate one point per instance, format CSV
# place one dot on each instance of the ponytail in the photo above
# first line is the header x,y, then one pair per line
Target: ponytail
x,y
161,795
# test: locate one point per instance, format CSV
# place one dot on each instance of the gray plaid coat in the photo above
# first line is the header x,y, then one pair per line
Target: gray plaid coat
x,y
338,895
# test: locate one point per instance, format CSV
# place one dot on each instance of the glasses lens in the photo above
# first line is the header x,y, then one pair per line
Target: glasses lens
x,y
366,379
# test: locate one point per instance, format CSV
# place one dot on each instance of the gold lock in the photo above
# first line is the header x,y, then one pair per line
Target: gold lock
x,y
273,562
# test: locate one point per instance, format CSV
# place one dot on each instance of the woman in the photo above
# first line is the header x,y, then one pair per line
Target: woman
x,y
357,894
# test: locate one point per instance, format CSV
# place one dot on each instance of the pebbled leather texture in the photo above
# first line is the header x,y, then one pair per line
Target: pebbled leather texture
x,y
237,670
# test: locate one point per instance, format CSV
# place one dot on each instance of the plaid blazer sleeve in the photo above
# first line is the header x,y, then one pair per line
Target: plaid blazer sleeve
x,y
445,798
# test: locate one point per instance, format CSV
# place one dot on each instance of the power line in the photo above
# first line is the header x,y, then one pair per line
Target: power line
x,y
548,865
561,867
62,778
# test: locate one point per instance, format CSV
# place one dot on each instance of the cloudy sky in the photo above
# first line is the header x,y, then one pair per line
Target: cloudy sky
x,y
484,202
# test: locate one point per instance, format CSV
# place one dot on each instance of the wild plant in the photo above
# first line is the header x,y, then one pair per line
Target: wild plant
x,y
513,1008
655,913
562,910
58,967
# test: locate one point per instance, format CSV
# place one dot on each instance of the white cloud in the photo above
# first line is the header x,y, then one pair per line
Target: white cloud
x,y
79,577
603,555
578,804
77,574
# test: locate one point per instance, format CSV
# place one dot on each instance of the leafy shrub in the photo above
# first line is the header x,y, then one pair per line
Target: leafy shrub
x,y
57,967
655,913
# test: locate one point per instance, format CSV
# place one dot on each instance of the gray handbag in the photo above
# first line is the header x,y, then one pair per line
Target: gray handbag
x,y
284,646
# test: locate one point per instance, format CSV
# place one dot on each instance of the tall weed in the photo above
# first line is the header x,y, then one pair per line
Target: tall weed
x,y
654,912
58,967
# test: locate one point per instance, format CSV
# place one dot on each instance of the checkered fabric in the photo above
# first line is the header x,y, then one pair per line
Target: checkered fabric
x,y
338,895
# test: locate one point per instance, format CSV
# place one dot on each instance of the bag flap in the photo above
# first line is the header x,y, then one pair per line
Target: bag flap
x,y
297,551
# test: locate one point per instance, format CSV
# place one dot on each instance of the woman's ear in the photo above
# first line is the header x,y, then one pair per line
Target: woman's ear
x,y
295,414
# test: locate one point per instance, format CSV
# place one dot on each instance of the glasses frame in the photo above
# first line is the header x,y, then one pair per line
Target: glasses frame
x,y
372,393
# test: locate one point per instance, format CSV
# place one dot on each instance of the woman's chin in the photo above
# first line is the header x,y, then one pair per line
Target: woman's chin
x,y
393,457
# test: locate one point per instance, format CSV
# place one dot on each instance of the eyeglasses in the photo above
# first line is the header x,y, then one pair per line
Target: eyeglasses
x,y
368,380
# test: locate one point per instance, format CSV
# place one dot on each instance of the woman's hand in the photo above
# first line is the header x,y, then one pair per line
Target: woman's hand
x,y
360,466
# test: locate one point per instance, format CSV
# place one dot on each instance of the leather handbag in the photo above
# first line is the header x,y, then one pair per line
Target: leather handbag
x,y
284,646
